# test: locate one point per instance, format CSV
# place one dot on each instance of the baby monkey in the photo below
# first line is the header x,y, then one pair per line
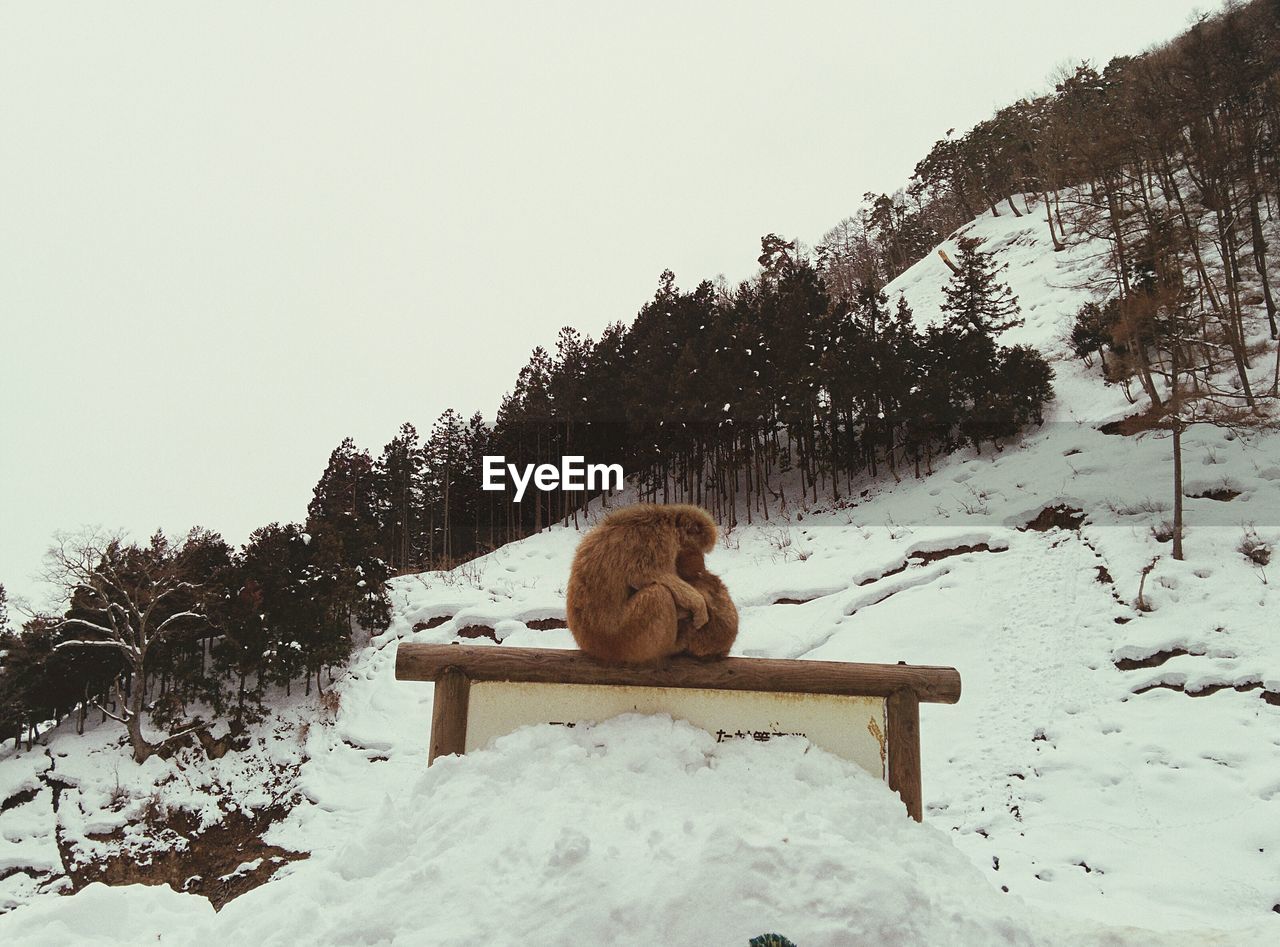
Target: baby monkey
x,y
716,637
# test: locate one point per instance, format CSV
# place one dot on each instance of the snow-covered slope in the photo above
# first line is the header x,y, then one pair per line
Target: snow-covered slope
x,y
1077,793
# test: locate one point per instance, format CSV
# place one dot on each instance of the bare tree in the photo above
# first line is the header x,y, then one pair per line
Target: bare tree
x,y
125,599
1205,406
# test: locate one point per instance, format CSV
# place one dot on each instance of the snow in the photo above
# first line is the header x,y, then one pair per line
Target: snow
x,y
674,838
129,914
669,823
1112,810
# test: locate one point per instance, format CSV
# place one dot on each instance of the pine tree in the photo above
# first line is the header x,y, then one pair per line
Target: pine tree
x,y
1028,379
480,523
340,592
349,562
445,455
345,499
399,474
239,616
178,661
975,298
567,386
278,559
1092,331
28,681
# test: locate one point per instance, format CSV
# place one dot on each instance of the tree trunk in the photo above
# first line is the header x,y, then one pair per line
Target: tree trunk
x,y
133,710
1144,370
1260,262
1058,245
1234,323
1117,232
1177,488
240,701
1193,236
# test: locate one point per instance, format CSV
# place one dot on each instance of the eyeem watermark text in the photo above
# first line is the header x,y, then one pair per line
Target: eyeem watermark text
x,y
574,473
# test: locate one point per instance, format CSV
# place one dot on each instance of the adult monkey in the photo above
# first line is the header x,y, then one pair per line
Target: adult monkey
x,y
625,598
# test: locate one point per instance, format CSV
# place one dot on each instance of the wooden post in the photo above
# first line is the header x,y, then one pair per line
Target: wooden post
x,y
449,714
903,710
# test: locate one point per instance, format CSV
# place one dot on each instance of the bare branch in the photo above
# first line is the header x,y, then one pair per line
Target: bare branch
x,y
99,705
92,626
180,733
172,618
83,643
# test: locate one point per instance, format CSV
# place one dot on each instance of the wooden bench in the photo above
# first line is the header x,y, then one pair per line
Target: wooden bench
x,y
868,713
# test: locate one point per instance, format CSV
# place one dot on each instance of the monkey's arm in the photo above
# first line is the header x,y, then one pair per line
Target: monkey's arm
x,y
716,637
686,597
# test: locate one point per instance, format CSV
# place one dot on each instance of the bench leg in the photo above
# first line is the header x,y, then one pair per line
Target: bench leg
x,y
903,709
449,714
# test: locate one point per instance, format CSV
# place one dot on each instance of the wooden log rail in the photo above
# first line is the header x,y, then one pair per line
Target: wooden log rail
x,y
454,667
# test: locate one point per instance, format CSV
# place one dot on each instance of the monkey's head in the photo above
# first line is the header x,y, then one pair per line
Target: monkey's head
x,y
695,527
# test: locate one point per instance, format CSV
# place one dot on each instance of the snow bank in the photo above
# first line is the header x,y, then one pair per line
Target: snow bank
x,y
637,830
130,914
640,829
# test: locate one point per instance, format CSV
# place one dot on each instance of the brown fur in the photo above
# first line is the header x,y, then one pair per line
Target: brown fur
x,y
624,596
716,637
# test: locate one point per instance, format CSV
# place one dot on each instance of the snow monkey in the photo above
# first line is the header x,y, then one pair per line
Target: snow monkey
x,y
625,597
716,637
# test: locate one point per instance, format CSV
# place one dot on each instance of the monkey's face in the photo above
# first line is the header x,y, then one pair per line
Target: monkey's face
x,y
697,530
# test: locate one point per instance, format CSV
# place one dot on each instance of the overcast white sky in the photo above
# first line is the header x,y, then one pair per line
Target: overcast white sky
x,y
232,233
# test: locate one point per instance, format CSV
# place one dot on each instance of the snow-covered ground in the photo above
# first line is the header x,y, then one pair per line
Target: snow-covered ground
x,y
1078,793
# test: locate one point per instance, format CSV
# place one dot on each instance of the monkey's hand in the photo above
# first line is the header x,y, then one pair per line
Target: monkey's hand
x,y
687,599
700,614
